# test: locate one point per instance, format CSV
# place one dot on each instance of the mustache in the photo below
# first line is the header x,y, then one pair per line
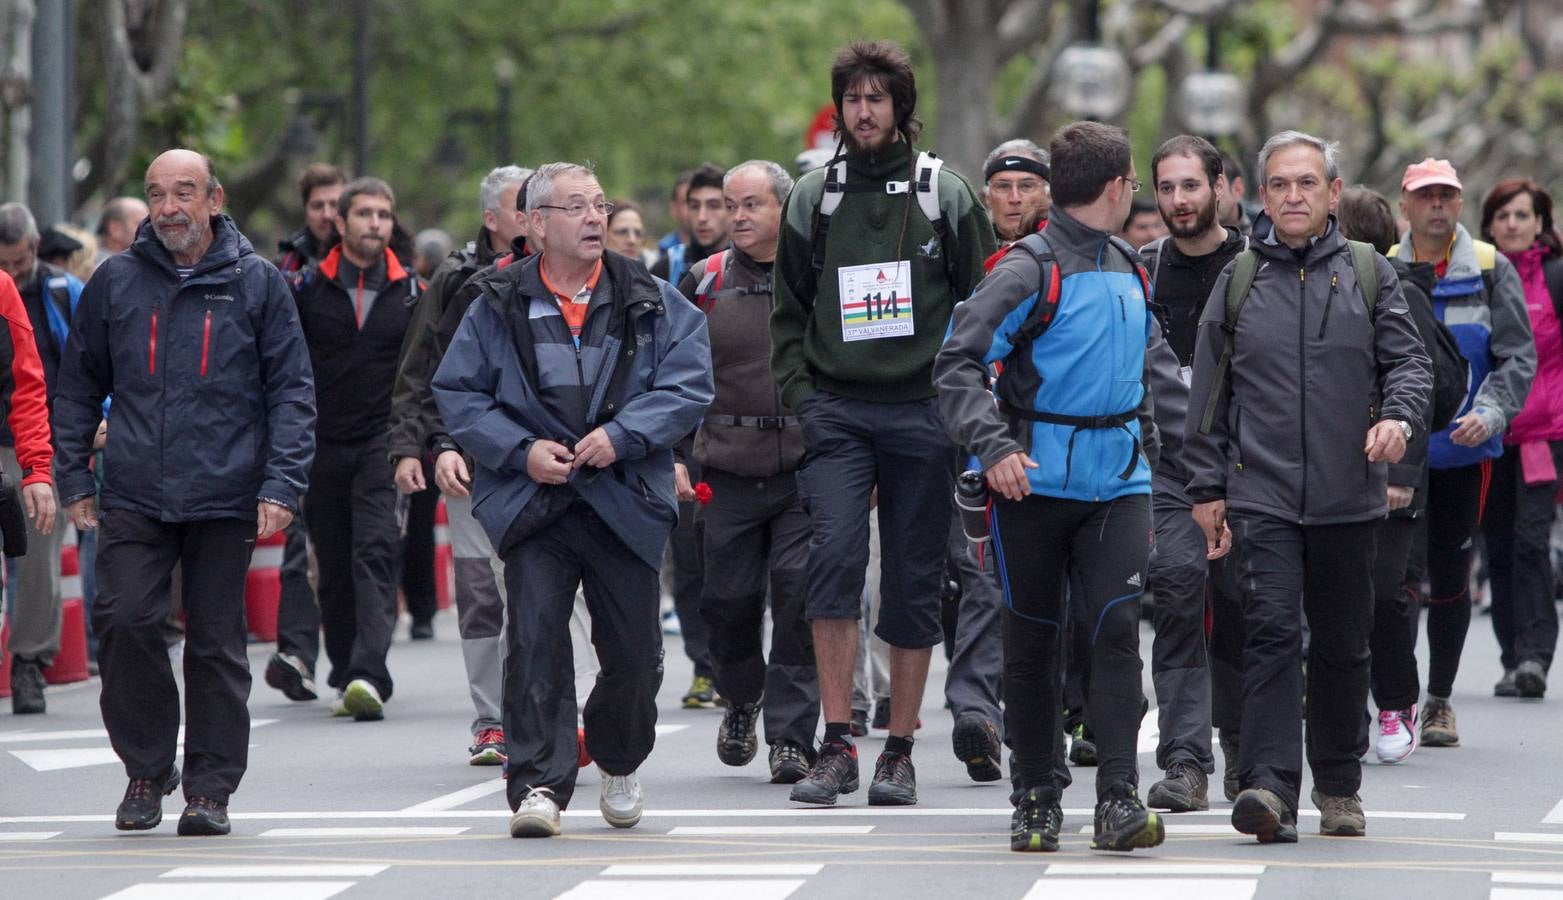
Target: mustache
x,y
176,219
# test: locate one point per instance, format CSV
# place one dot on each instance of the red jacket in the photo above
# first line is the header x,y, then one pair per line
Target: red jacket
x,y
23,399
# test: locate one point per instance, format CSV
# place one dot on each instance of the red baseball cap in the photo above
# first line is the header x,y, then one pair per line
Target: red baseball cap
x,y
1429,172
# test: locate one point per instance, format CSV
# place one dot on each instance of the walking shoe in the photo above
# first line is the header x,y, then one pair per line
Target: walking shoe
x,y
537,816
583,757
1035,824
1505,686
834,773
1397,735
1530,680
701,693
1264,815
27,687
362,701
882,714
736,740
1229,776
142,807
488,748
1339,816
895,781
1123,823
789,763
1082,746
1185,789
204,816
1438,728
339,707
620,800
977,745
421,631
858,726
290,675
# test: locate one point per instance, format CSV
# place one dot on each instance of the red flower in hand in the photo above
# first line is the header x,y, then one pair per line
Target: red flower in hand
x,y
702,493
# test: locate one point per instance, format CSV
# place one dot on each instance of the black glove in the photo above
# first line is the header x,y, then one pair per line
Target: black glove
x,y
13,521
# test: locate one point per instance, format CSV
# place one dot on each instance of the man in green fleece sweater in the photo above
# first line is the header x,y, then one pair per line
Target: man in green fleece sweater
x,y
865,283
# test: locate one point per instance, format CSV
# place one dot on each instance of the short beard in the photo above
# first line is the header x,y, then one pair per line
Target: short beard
x,y
861,149
192,236
1203,220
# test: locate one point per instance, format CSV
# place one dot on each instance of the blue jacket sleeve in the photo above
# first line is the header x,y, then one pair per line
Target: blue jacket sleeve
x,y
466,388
289,382
682,385
86,378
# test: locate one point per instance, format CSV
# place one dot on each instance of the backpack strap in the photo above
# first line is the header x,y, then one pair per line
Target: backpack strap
x,y
1363,260
1246,266
710,280
1041,317
925,185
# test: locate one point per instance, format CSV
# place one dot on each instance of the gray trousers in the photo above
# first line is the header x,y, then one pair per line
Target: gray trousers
x,y
975,678
1180,667
35,613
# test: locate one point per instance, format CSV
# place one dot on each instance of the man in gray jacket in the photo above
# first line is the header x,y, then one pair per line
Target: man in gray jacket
x,y
1301,396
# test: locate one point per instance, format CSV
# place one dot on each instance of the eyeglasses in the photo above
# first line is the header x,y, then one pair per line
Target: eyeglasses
x,y
578,210
1025,188
1134,183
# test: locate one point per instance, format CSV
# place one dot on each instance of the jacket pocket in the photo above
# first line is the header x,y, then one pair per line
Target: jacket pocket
x,y
206,342
152,345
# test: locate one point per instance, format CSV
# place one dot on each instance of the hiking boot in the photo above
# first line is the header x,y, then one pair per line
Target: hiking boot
x,y
26,687
1438,728
1230,782
620,800
882,714
290,675
421,631
1505,686
858,727
736,740
204,817
976,742
834,773
361,701
1123,823
895,781
1340,816
537,816
789,763
142,807
701,693
488,748
1185,789
1530,680
1082,747
1397,735
1035,824
1264,815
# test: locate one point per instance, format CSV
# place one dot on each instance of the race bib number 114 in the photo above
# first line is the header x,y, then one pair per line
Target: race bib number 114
x,y
876,301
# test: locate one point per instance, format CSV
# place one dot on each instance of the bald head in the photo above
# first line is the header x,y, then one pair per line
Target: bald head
x,y
183,195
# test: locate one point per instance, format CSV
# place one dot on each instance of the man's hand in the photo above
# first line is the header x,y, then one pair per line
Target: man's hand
x,y
409,475
38,501
83,513
681,484
451,475
1400,497
1008,476
595,450
1471,431
1386,442
1211,517
548,462
271,518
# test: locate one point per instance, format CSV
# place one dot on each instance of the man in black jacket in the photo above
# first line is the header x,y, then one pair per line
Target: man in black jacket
x,y
213,433
355,307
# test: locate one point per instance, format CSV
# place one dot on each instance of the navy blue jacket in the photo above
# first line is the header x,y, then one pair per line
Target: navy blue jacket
x,y
214,399
514,375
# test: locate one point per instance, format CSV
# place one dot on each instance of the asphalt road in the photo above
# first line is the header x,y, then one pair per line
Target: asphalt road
x,y
331,807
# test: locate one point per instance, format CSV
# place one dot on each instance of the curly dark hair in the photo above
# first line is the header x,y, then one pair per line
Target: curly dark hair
x,y
885,65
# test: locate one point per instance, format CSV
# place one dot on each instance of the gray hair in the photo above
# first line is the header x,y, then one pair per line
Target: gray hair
x,y
17,224
432,244
494,184
1016,147
781,182
1329,149
540,190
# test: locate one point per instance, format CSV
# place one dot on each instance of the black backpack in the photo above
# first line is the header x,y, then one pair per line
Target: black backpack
x,y
1451,370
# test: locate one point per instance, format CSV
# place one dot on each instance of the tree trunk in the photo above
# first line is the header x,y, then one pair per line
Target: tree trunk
x,y
16,65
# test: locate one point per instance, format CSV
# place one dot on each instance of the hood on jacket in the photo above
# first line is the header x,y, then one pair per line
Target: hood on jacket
x,y
228,247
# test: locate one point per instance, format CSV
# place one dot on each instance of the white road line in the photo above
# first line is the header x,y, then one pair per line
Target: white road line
x,y
1139,888
74,758
707,870
458,798
1556,816
681,890
1152,868
669,729
1527,878
775,830
1528,837
1177,828
1523,894
233,890
382,831
322,870
6,836
82,734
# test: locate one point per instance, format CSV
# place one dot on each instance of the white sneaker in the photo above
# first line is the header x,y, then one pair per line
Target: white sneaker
x,y
1397,734
362,701
621,800
538,815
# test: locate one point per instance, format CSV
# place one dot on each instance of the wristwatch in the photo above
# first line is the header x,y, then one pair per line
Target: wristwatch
x,y
1405,428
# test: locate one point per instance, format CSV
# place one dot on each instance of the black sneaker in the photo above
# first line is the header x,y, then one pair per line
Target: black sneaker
x,y
859,724
1530,680
1035,824
1082,747
977,745
291,675
882,714
26,687
736,741
1266,816
204,816
1185,789
1229,777
142,807
1505,686
895,781
421,631
1123,823
833,773
789,763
